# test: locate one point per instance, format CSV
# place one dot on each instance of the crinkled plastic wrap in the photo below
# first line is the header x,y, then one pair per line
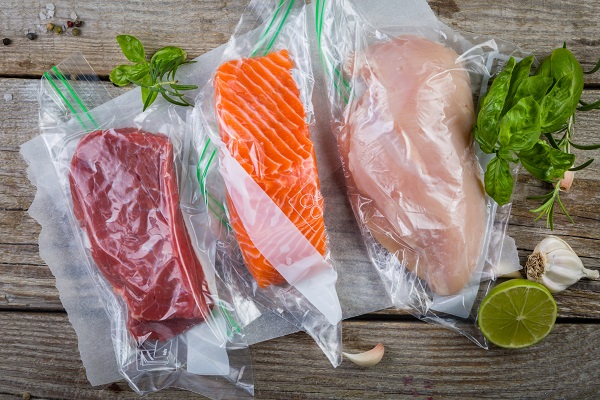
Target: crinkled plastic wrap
x,y
403,102
258,174
173,322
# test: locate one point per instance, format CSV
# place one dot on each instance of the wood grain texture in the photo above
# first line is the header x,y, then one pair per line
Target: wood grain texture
x,y
39,349
422,361
197,27
537,26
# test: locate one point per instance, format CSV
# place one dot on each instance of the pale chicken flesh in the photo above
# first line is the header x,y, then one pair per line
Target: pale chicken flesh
x,y
408,149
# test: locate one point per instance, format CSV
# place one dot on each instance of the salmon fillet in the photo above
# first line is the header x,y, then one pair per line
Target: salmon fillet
x,y
408,148
262,123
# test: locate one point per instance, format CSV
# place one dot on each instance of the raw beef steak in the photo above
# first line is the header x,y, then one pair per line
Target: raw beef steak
x,y
125,195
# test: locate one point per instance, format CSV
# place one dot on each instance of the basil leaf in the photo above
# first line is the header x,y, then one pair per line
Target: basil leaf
x,y
546,163
564,63
138,71
499,181
132,48
488,119
168,54
557,105
545,67
520,73
536,86
507,155
119,75
520,126
563,98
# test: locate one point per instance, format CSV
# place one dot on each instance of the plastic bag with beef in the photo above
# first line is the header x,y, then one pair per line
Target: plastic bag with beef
x,y
173,322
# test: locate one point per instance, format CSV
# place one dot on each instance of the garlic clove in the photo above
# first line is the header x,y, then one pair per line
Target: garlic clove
x,y
557,281
565,258
552,284
367,358
552,243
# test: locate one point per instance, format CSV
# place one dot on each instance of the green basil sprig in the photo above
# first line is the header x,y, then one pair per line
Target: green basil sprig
x,y
518,112
154,77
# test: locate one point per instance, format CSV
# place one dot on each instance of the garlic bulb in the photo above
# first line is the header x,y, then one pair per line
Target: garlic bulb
x,y
555,265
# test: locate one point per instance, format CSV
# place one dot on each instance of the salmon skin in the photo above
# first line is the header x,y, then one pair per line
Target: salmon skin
x,y
262,122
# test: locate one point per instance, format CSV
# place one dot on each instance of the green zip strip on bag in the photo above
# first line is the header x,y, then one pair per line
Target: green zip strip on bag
x,y
267,32
339,82
232,325
56,79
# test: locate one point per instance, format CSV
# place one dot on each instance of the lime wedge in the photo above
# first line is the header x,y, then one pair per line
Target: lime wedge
x,y
517,313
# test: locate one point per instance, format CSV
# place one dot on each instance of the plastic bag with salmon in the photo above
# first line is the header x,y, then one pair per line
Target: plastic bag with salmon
x,y
402,102
258,172
173,322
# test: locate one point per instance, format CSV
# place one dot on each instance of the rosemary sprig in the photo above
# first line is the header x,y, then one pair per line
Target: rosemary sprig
x,y
549,200
547,208
589,106
154,77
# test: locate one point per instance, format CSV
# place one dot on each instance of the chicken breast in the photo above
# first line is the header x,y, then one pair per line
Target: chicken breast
x,y
409,153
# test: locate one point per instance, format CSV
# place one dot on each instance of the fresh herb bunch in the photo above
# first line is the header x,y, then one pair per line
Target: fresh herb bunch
x,y
154,77
519,119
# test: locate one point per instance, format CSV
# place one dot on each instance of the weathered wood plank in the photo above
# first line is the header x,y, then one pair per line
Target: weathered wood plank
x,y
536,26
25,287
197,29
13,254
19,116
18,228
421,361
18,124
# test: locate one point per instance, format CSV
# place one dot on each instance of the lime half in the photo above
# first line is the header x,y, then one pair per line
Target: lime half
x,y
517,313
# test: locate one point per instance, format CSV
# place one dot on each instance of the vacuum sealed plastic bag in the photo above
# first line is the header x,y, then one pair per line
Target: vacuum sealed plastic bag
x,y
265,195
403,103
172,318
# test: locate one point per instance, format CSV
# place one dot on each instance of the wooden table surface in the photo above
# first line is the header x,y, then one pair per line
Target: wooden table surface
x,y
38,347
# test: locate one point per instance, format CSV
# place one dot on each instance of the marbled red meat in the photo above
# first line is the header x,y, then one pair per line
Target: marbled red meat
x,y
125,195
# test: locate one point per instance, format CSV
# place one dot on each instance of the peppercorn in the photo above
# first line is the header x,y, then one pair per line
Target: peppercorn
x,y
76,32
49,26
58,30
6,41
78,23
31,36
69,24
